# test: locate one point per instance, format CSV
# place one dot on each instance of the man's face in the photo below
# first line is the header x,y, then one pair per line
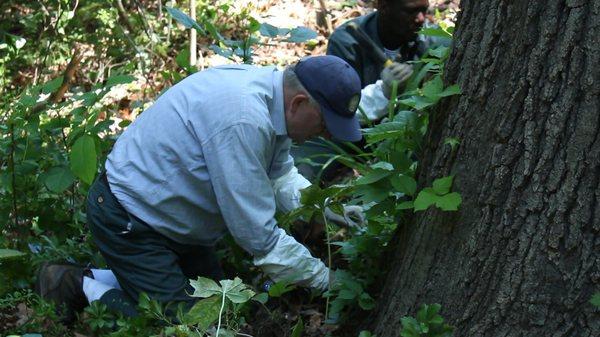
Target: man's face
x,y
304,121
404,18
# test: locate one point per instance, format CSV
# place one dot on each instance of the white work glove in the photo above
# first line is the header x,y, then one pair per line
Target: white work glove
x,y
397,71
353,216
292,262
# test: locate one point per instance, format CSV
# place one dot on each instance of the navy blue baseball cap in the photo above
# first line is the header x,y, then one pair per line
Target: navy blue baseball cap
x,y
336,86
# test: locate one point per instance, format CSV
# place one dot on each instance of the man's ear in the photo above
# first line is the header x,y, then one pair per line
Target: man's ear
x,y
297,100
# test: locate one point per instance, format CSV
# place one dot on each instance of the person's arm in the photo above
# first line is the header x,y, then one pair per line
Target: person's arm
x,y
237,159
287,182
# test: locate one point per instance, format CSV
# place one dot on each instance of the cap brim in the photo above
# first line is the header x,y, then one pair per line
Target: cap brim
x,y
341,128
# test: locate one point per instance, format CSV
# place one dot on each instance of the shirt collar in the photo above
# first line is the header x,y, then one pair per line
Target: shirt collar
x,y
277,111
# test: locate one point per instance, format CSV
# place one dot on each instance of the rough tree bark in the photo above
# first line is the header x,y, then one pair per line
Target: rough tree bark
x,y
522,255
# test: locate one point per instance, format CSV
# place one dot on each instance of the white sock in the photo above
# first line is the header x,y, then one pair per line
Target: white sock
x,y
106,276
94,289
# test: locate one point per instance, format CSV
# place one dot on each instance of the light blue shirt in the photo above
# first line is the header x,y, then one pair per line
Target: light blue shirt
x,y
200,160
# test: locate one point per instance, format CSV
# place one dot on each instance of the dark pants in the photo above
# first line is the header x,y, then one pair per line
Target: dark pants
x,y
143,260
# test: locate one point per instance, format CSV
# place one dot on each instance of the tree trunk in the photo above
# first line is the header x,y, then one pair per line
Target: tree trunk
x,y
522,255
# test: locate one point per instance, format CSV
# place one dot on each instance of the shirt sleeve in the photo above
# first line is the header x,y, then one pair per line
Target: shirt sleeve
x,y
344,46
237,159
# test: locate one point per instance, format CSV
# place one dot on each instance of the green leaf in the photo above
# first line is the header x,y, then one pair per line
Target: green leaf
x,y
410,327
347,294
27,101
58,179
596,300
425,198
366,302
119,79
405,205
373,176
241,296
376,192
184,19
439,52
254,25
451,90
279,288
404,184
52,86
268,30
449,202
418,102
236,291
365,333
435,31
205,287
442,186
83,159
261,298
433,88
298,328
9,254
452,141
383,165
204,313
301,34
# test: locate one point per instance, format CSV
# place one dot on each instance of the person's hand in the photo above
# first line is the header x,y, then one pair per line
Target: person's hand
x,y
353,216
397,71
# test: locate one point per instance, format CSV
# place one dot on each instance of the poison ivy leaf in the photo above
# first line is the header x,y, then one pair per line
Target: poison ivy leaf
x,y
435,31
425,198
439,52
404,184
375,192
346,294
418,102
301,34
52,86
205,287
83,159
8,254
433,88
58,179
442,186
119,79
205,312
410,327
452,141
183,18
373,176
451,90
366,302
405,205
